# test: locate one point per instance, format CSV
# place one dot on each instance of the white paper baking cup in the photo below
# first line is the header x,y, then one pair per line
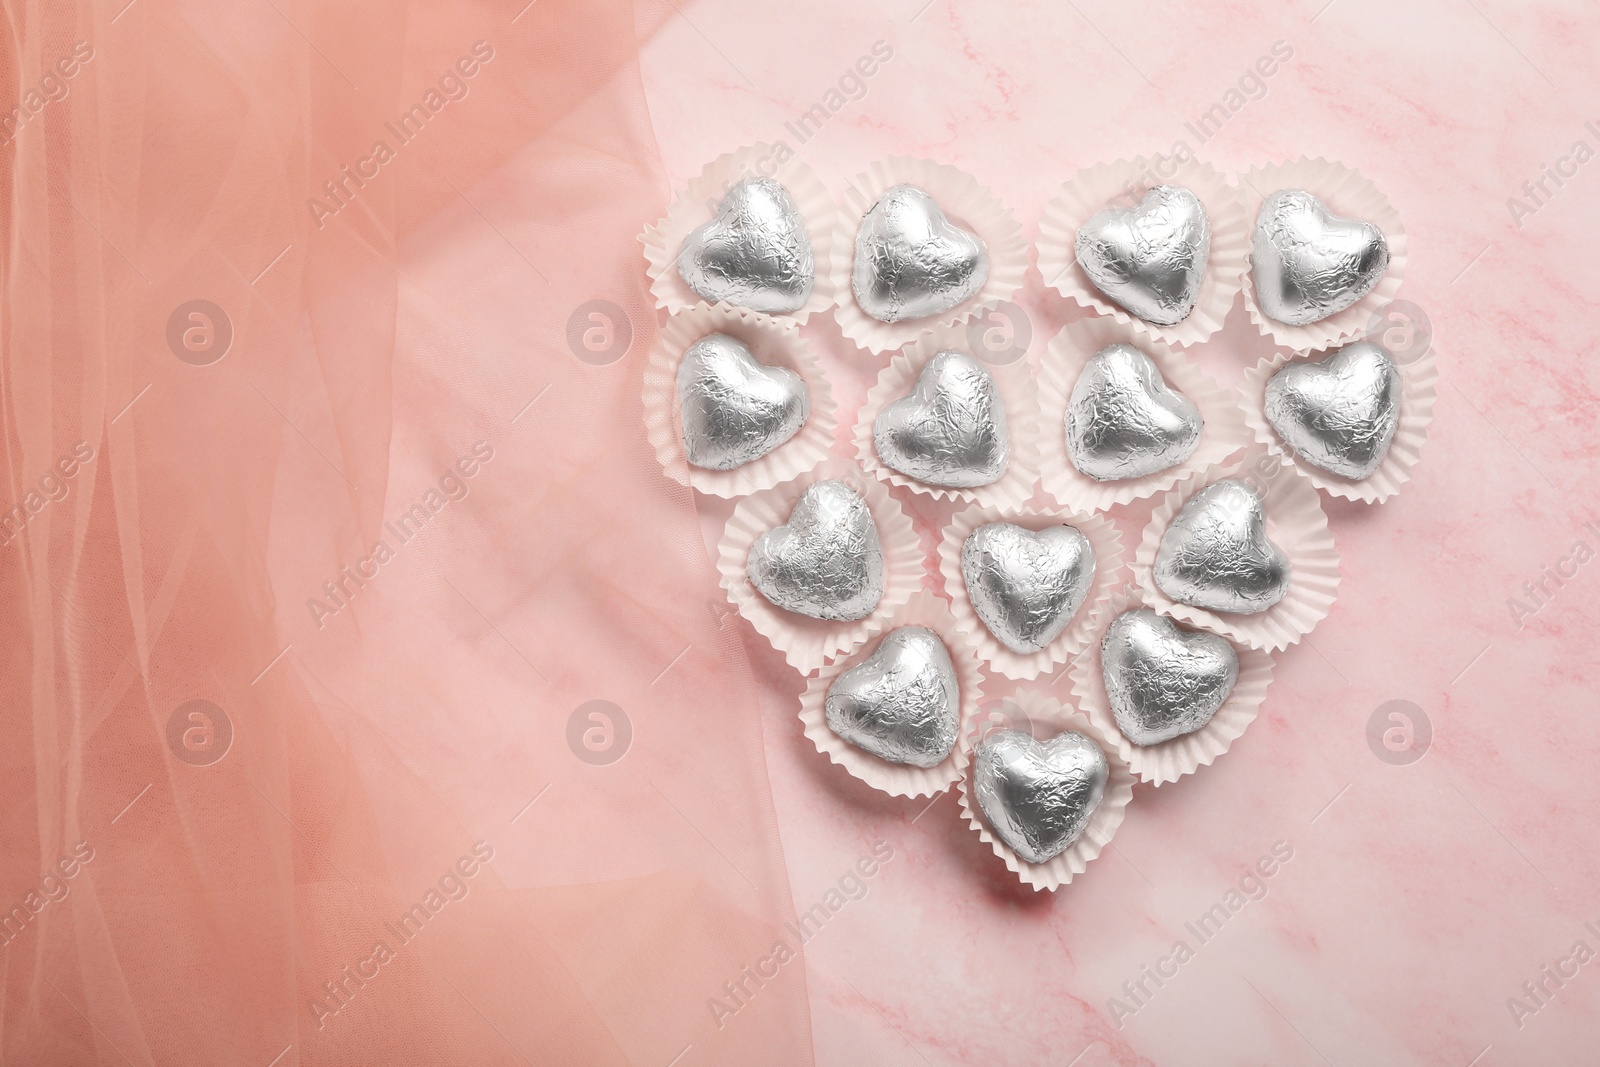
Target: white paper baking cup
x,y
1046,718
1015,382
1121,185
805,642
1108,574
697,204
1344,192
900,780
1170,760
1295,523
1069,352
1419,388
966,204
772,342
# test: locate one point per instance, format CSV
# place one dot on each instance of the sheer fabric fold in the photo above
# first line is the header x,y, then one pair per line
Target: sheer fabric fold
x,y
368,697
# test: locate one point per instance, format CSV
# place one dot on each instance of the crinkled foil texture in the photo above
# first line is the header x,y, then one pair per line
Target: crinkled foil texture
x,y
1216,555
1124,421
826,561
1309,263
1026,585
902,703
754,253
1338,413
1151,259
951,429
1038,795
911,261
734,409
1161,680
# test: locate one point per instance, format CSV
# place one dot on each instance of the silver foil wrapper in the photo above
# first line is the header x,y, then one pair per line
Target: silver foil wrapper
x,y
826,561
1124,421
1149,259
1339,412
1216,555
1039,795
911,261
733,408
1309,263
1027,585
754,253
1163,681
901,703
951,429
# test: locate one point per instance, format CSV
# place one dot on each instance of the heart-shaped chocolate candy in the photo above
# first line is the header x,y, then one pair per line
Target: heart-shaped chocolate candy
x,y
754,253
1027,585
901,703
1163,681
1150,259
1339,412
826,561
1039,795
950,430
735,409
1124,421
1310,263
911,261
1216,555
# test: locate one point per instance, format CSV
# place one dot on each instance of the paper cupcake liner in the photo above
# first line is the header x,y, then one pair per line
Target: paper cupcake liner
x,y
805,642
1015,382
1046,718
1121,185
1419,380
1295,523
1069,352
698,203
772,342
1170,760
1347,193
965,203
1108,574
900,780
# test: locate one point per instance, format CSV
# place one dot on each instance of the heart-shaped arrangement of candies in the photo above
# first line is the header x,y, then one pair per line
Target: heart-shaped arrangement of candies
x,y
1169,663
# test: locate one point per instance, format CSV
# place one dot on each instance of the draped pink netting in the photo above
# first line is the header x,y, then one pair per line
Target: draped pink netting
x,y
330,520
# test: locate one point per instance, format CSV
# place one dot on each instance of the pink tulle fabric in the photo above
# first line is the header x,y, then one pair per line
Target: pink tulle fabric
x,y
397,539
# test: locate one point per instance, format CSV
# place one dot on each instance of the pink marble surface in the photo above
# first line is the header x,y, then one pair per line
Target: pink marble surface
x,y
1419,898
